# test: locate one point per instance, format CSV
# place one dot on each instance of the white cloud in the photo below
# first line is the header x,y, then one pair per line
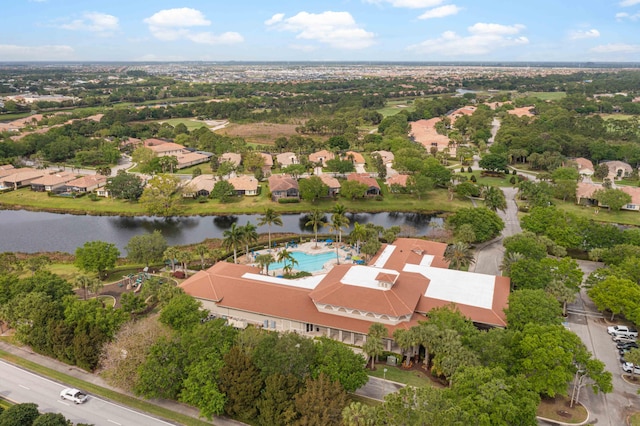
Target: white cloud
x,y
582,34
175,24
12,52
408,4
483,38
274,19
337,29
441,12
617,48
627,3
93,21
624,15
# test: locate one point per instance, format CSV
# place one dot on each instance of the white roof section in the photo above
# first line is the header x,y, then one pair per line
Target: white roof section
x,y
461,287
308,283
427,259
384,256
365,276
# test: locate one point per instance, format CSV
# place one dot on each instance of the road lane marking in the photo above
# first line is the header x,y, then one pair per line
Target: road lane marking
x,y
24,387
115,423
62,402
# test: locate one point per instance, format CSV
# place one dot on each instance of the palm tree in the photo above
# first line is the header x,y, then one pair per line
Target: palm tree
x,y
316,220
374,345
508,260
405,339
83,282
562,293
95,286
339,220
494,199
459,255
249,236
183,257
270,217
285,256
264,260
170,253
358,234
202,251
233,237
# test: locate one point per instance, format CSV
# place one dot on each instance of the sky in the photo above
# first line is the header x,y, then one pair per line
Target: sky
x,y
314,30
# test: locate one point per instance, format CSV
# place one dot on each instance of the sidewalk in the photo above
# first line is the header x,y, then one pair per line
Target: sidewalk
x,y
26,353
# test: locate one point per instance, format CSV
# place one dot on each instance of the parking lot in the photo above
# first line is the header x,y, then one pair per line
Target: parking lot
x,y
613,408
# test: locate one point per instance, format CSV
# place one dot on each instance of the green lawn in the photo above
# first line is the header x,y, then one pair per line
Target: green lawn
x,y
634,419
435,201
408,377
395,106
547,96
486,180
191,123
622,217
617,116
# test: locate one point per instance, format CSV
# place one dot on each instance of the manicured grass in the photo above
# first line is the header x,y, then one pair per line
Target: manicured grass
x,y
487,180
548,96
623,217
634,419
396,374
395,106
120,398
614,116
191,123
65,270
435,201
552,409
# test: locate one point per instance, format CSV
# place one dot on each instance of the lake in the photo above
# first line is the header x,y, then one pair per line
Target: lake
x,y
31,232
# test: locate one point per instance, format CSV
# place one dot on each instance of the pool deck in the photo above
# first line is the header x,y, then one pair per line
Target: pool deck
x,y
345,252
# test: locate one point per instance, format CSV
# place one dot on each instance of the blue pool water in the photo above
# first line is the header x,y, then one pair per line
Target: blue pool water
x,y
306,262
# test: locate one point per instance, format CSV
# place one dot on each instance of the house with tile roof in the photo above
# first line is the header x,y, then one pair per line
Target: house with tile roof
x,y
584,165
398,288
188,159
268,164
245,185
386,156
54,182
231,157
15,178
199,186
86,183
321,157
618,169
585,191
399,179
355,157
286,159
373,188
332,183
282,186
163,148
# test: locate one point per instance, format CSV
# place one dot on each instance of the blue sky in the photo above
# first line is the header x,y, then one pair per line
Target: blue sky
x,y
327,30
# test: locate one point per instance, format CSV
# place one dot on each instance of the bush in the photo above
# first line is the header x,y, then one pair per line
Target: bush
x,y
469,169
93,197
288,200
379,198
474,179
178,274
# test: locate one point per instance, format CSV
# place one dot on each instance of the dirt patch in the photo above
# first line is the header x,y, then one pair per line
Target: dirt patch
x,y
264,133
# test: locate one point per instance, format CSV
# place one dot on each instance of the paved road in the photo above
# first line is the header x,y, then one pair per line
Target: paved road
x,y
585,320
21,386
489,257
377,388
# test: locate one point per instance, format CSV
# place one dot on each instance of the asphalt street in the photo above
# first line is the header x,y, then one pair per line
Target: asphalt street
x,y
21,386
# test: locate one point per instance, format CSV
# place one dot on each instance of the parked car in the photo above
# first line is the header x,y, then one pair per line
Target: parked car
x,y
628,368
623,339
627,345
73,395
622,330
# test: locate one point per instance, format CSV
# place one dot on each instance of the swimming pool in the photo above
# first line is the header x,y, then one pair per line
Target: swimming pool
x,y
306,262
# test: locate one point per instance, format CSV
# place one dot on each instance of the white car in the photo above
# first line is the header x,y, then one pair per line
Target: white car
x,y
73,395
622,330
620,339
628,368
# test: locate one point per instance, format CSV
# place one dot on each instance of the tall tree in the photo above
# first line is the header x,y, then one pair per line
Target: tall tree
x,y
339,219
494,199
313,188
316,219
241,383
203,252
249,236
276,405
459,255
162,196
264,260
270,217
125,186
287,259
320,402
532,306
96,256
233,238
146,248
170,254
374,346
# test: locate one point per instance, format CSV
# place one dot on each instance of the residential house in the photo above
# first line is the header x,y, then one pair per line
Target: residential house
x,y
585,166
188,159
286,159
321,157
373,188
618,169
282,186
424,132
398,288
585,191
54,182
245,185
163,148
355,157
18,178
199,186
634,192
231,157
332,183
399,180
86,183
386,156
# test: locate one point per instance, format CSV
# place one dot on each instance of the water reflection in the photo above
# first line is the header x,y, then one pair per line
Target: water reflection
x,y
24,231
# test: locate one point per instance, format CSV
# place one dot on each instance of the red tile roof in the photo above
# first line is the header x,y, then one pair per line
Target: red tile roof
x,y
364,178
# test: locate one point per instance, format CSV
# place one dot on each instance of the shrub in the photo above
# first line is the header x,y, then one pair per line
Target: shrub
x,y
288,200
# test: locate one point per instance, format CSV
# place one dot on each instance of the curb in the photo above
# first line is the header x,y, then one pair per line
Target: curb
x,y
558,422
